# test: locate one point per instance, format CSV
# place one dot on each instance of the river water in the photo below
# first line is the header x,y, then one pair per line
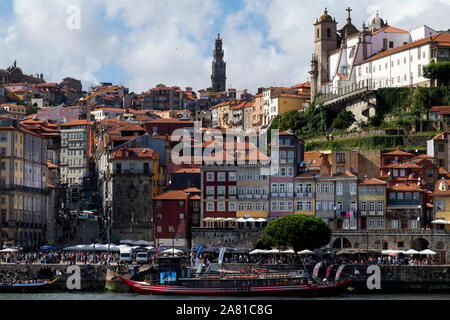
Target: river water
x,y
96,296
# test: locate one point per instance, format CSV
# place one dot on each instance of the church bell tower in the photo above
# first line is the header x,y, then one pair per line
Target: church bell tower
x,y
218,76
325,40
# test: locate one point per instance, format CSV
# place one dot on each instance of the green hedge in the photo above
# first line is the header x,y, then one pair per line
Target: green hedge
x,y
397,100
363,143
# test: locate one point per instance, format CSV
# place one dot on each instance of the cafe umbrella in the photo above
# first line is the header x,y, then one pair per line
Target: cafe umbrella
x,y
412,251
427,252
306,251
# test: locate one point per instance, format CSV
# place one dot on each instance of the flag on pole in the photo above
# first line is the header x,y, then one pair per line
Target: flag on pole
x,y
221,254
160,249
339,271
329,271
316,269
199,249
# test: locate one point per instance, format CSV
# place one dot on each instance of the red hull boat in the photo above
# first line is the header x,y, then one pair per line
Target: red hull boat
x,y
252,287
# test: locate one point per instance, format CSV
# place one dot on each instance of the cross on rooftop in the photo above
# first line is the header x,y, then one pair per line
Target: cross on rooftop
x,y
349,10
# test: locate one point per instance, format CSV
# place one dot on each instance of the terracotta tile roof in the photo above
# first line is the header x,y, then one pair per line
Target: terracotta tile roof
x,y
443,172
134,153
397,153
188,170
419,157
404,165
172,195
305,176
438,192
405,187
390,29
108,109
54,84
314,159
444,110
74,123
192,189
440,136
51,165
286,133
287,95
439,108
244,104
169,120
348,174
195,197
373,181
303,85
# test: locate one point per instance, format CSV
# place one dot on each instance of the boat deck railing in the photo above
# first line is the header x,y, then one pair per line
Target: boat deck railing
x,y
247,276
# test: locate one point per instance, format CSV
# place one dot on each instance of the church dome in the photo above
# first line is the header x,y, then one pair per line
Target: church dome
x,y
325,17
377,23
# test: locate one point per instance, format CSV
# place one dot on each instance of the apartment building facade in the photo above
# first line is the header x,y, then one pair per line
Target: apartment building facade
x,y
73,156
23,184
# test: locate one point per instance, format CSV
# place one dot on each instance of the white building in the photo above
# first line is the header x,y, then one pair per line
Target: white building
x,y
379,56
107,113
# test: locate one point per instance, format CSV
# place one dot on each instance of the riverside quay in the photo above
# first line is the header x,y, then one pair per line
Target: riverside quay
x,y
436,240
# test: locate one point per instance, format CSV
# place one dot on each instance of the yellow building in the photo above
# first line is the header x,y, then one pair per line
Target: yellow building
x,y
277,101
372,204
23,185
253,186
288,102
441,201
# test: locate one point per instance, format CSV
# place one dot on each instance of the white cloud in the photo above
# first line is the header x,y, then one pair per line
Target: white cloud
x,y
166,41
38,38
266,42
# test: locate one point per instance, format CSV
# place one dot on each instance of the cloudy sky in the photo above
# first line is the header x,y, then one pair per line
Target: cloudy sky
x,y
141,43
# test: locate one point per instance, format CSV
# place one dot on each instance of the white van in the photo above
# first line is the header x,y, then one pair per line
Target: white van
x,y
126,255
142,257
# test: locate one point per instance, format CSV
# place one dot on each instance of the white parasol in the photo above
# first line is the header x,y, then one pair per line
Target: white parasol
x,y
427,252
306,251
172,250
9,250
439,221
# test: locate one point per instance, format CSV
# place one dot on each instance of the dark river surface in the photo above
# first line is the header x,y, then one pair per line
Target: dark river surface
x,y
66,296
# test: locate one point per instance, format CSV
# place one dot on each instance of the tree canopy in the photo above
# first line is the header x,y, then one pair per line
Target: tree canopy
x,y
315,120
344,120
298,231
439,71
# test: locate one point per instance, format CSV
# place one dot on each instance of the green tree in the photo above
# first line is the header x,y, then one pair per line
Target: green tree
x,y
298,231
439,71
344,120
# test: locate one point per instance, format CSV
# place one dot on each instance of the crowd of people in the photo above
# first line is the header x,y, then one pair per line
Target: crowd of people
x,y
59,257
113,258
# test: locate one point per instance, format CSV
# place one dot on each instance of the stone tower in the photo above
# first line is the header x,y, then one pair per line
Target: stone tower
x,y
325,40
218,76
